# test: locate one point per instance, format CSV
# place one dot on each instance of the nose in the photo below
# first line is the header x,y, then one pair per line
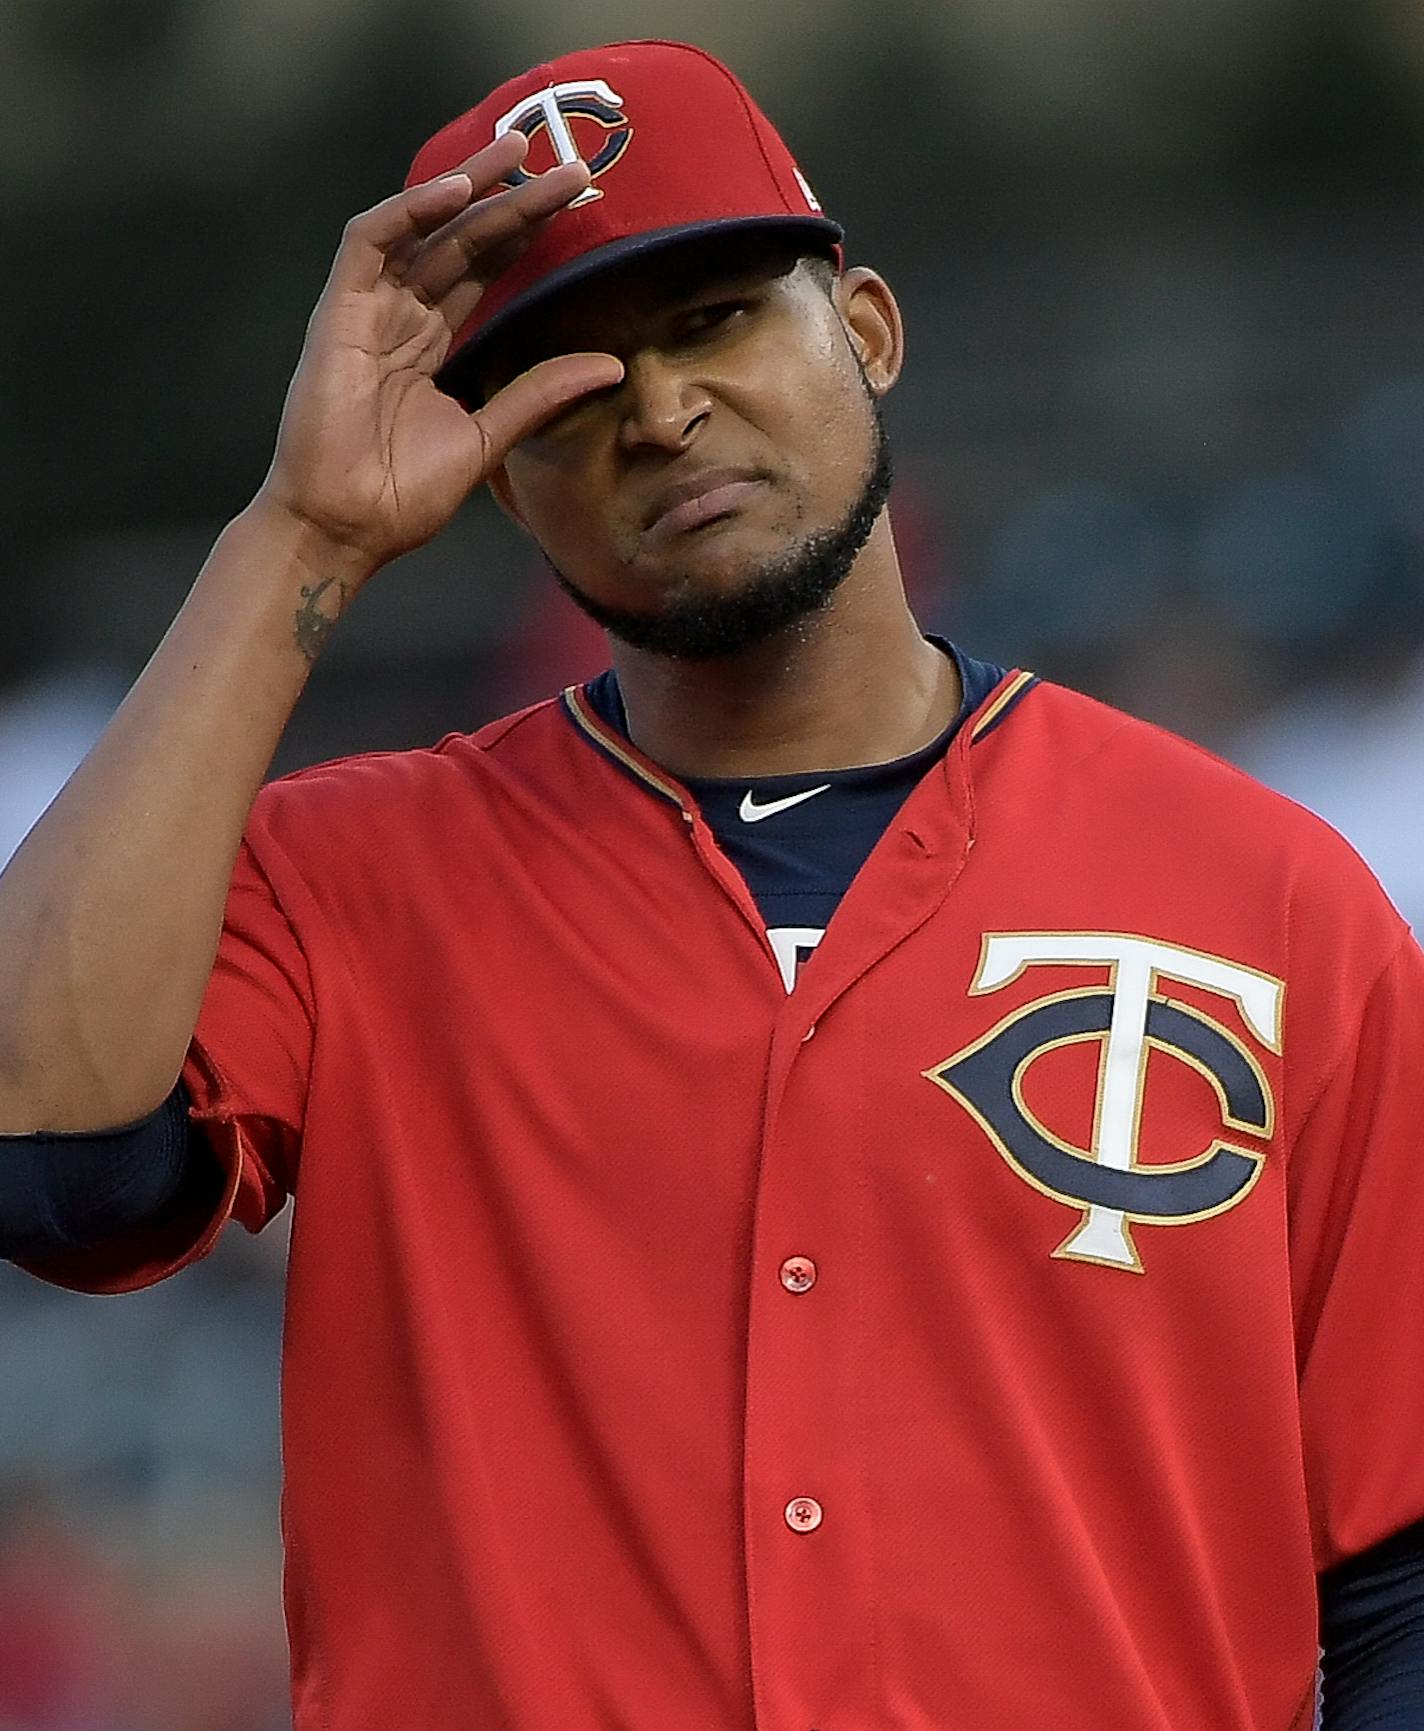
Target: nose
x,y
662,406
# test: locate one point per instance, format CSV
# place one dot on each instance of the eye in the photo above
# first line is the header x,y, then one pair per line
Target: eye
x,y
712,317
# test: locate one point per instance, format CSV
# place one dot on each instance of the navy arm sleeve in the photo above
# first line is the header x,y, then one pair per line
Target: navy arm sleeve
x,y
64,1192
1372,1633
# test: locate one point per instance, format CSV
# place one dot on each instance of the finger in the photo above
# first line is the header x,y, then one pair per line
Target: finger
x,y
474,243
457,303
429,207
409,216
535,398
482,238
477,169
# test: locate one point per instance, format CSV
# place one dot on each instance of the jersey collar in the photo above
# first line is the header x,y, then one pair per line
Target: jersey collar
x,y
590,706
620,749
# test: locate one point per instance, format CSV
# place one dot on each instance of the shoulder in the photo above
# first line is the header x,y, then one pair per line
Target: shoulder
x,y
1150,833
1149,792
370,805
1069,738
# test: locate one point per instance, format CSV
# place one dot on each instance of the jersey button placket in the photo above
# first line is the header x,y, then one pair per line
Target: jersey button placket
x,y
806,1521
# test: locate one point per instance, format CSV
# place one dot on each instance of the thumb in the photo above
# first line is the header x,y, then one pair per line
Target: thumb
x,y
534,398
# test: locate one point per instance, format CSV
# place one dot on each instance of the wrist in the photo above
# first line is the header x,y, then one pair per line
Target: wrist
x,y
294,542
282,572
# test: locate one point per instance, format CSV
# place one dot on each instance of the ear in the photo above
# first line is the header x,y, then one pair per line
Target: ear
x,y
871,316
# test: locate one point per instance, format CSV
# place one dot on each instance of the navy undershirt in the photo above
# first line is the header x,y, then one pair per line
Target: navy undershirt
x,y
59,1194
799,861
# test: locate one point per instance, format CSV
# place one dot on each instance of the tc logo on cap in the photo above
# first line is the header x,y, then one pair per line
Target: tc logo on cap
x,y
549,110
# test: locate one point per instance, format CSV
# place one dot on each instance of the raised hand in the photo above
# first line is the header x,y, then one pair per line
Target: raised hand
x,y
370,453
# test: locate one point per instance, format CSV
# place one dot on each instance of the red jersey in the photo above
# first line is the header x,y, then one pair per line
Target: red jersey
x,y
1001,1328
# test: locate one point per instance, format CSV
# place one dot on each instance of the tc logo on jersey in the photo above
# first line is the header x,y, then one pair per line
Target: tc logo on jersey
x,y
1107,1181
551,110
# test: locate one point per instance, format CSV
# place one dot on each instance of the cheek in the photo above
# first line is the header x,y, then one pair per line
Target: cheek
x,y
830,429
825,422
557,502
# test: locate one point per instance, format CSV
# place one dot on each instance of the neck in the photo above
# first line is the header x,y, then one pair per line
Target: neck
x,y
853,684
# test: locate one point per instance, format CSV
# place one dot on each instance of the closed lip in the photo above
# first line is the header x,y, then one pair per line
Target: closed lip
x,y
692,487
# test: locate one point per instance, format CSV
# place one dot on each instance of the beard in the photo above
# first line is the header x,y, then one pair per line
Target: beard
x,y
701,625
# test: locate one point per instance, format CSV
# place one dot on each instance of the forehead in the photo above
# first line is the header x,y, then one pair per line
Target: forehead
x,y
610,310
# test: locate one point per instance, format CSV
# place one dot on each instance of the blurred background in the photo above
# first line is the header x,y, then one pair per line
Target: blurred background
x,y
1159,437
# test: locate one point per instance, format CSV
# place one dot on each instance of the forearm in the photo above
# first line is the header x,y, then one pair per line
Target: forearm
x,y
111,910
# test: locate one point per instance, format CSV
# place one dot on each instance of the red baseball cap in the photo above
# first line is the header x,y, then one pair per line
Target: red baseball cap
x,y
676,147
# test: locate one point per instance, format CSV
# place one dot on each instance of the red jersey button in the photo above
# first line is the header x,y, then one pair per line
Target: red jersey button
x,y
798,1274
803,1514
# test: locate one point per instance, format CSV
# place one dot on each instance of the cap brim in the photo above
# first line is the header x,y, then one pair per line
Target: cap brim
x,y
457,377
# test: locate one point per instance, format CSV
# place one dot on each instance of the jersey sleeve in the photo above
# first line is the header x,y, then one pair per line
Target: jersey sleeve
x,y
246,1076
1357,1235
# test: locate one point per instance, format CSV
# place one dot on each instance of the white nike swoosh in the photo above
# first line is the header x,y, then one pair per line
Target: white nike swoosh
x,y
750,812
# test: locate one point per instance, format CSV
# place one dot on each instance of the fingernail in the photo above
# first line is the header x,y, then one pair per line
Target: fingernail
x,y
453,180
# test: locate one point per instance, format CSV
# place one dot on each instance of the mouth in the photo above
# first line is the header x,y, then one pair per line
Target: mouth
x,y
700,500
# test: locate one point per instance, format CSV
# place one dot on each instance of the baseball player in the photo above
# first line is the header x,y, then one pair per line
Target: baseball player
x,y
836,1185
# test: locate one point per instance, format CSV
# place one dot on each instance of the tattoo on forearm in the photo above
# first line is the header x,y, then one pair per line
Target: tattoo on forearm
x,y
314,622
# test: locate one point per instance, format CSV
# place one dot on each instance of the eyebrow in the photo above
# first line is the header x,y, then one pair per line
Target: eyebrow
x,y
732,276
538,343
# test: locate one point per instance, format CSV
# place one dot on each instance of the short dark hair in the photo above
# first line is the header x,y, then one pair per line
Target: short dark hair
x,y
822,270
